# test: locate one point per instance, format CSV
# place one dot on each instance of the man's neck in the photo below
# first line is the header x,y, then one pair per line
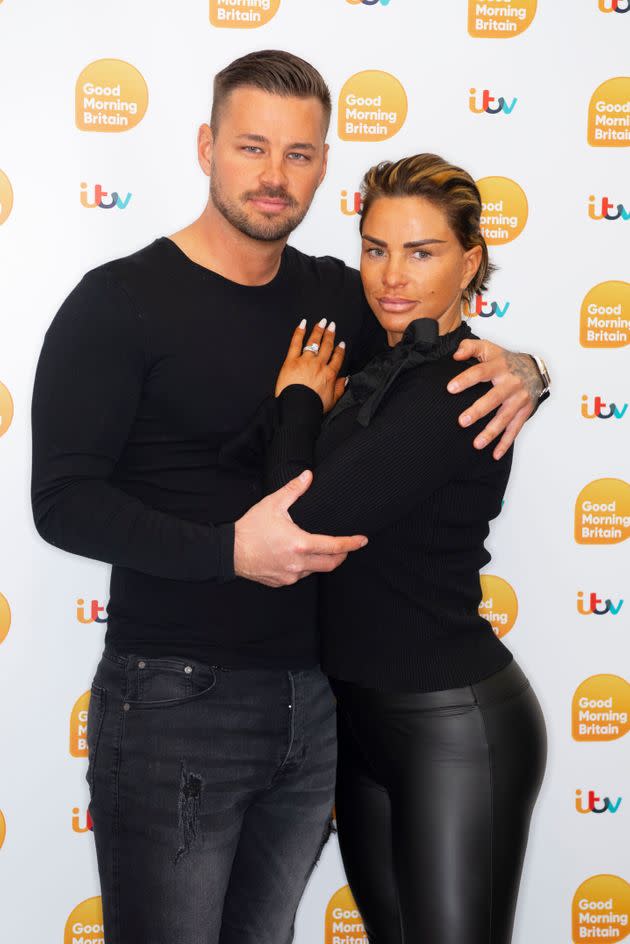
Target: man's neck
x,y
214,243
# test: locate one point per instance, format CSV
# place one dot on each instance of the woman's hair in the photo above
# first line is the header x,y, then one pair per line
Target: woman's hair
x,y
449,187
274,71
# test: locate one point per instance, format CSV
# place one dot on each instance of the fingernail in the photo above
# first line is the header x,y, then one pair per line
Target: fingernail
x,y
346,382
302,324
331,326
480,443
452,387
364,542
341,344
322,323
466,420
304,476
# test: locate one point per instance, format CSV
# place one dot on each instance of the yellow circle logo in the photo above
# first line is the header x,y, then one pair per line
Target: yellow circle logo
x,y
499,604
6,197
504,210
601,708
500,19
5,617
605,316
6,409
78,726
343,921
3,829
372,106
242,14
602,512
609,114
111,95
85,923
601,908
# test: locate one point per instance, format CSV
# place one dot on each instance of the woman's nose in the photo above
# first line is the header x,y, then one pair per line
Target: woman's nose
x,y
393,275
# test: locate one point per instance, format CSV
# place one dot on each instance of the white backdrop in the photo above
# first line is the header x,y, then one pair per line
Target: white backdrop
x,y
546,64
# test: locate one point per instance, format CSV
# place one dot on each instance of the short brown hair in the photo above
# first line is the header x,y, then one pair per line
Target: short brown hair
x,y
274,71
449,187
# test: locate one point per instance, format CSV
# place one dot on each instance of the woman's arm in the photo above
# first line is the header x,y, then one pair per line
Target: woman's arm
x,y
412,446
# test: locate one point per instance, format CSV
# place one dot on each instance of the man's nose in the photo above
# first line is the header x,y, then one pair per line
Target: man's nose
x,y
273,174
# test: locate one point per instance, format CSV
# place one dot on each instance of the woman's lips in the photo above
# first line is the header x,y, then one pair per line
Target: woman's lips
x,y
394,304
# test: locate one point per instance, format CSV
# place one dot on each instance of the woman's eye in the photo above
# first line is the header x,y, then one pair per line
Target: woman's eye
x,y
421,254
374,252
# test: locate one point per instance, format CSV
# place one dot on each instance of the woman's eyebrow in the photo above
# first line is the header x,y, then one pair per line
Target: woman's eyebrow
x,y
411,245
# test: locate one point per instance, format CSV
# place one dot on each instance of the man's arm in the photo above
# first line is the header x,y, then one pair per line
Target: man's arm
x,y
87,389
517,388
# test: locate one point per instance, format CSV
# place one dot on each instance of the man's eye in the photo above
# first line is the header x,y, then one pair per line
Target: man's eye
x,y
302,157
251,147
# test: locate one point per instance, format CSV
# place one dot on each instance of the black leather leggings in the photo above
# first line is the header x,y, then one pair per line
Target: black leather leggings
x,y
434,796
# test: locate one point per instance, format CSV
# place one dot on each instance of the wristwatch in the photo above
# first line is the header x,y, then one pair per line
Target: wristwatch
x,y
544,376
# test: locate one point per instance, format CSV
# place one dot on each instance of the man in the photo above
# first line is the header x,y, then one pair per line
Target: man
x,y
211,728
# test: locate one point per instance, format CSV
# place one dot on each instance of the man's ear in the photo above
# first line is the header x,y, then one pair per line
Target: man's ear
x,y
324,164
205,143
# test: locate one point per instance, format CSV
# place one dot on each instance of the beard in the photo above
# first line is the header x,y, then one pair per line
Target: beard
x,y
269,228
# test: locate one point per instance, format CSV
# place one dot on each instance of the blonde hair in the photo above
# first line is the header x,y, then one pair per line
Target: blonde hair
x,y
449,187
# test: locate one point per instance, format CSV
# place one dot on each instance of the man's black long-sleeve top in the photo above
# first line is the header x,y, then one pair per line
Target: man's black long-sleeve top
x,y
150,366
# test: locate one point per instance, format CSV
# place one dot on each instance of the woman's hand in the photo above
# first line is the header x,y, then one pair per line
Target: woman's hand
x,y
317,370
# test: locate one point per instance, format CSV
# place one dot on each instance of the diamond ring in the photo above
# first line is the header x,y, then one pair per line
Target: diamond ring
x,y
311,347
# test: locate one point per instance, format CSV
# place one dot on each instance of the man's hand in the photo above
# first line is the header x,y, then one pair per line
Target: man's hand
x,y
517,387
270,549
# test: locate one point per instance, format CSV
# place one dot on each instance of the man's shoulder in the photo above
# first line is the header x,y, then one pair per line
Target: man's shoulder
x,y
327,269
133,268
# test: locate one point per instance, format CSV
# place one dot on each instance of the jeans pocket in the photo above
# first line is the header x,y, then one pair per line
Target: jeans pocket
x,y
167,682
96,713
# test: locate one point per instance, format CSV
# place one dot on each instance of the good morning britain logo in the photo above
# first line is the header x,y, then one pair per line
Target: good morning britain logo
x,y
6,197
499,604
601,909
372,106
602,512
609,114
504,209
343,923
500,19
5,617
605,316
600,709
110,95
85,923
242,14
6,409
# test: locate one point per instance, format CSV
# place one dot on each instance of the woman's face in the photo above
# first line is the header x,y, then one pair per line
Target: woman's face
x,y
412,264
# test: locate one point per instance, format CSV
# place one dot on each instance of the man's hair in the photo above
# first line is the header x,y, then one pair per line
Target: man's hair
x,y
446,186
274,71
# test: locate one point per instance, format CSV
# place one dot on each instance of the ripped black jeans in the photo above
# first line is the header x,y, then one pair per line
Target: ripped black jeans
x,y
211,793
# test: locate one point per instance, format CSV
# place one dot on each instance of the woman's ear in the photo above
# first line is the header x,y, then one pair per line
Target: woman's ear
x,y
472,261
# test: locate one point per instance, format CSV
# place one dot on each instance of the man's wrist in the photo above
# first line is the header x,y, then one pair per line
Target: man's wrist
x,y
545,379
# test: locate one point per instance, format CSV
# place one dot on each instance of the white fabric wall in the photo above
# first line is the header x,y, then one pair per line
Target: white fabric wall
x,y
551,60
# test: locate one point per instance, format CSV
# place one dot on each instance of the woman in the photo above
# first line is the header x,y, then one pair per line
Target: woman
x,y
442,742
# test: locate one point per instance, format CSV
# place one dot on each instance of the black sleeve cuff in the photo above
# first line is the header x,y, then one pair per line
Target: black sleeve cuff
x,y
299,405
225,563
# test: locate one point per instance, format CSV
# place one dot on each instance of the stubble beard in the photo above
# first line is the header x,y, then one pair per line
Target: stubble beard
x,y
266,230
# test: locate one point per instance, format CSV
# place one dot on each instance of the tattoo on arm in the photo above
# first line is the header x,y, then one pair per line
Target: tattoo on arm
x,y
522,365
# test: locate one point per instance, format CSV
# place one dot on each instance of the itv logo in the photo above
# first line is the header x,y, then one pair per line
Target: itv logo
x,y
592,801
98,200
601,410
483,103
595,606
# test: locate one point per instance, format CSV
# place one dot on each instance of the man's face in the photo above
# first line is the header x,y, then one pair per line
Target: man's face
x,y
265,161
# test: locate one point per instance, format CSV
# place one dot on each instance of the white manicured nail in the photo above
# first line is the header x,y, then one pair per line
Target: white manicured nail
x,y
322,323
302,324
331,326
342,344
